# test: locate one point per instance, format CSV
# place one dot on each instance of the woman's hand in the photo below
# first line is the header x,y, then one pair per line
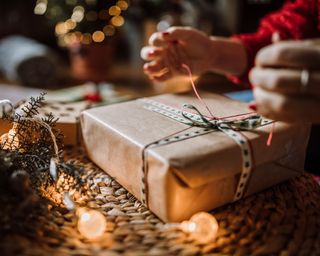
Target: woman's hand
x,y
286,81
167,51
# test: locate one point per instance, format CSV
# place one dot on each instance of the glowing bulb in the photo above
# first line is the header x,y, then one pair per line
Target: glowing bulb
x,y
70,24
91,223
117,21
114,10
78,13
67,39
98,36
40,8
78,8
70,39
61,28
122,4
202,227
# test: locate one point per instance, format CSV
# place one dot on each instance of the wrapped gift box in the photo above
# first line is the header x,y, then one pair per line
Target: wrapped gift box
x,y
178,170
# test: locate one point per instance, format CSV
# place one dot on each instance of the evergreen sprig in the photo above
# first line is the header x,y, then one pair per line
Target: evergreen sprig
x,y
31,109
31,140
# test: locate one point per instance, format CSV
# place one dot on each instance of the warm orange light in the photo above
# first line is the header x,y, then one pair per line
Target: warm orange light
x,y
61,28
98,36
117,21
70,24
70,39
114,10
202,227
91,223
78,36
123,5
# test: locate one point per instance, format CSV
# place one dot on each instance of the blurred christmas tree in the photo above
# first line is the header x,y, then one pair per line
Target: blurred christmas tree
x,y
83,21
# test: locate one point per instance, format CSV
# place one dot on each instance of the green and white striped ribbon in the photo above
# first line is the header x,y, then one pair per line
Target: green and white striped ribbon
x,y
229,127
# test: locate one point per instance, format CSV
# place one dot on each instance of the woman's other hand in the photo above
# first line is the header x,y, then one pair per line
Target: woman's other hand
x,y
286,81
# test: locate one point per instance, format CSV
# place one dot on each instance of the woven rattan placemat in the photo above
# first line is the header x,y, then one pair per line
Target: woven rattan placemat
x,y
283,220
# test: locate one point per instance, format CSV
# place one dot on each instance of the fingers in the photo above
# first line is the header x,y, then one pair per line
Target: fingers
x,y
157,39
181,33
293,54
287,81
165,62
162,69
278,81
149,53
173,58
174,34
153,68
167,52
286,108
163,77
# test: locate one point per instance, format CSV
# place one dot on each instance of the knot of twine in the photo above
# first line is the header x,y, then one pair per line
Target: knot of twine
x,y
247,123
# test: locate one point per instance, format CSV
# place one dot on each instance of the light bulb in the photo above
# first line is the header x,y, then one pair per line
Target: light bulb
x,y
117,21
98,36
114,10
202,227
91,223
11,140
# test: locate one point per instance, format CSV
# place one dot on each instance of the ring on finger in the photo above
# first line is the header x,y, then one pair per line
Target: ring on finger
x,y
304,80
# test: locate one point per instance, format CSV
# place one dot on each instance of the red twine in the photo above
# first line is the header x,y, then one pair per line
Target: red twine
x,y
269,140
187,68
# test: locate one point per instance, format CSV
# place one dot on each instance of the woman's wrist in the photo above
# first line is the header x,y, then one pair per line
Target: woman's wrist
x,y
227,56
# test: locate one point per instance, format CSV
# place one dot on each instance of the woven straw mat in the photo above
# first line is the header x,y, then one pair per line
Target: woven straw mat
x,y
283,220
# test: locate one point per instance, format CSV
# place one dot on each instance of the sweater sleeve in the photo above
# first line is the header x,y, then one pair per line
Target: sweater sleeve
x,y
297,20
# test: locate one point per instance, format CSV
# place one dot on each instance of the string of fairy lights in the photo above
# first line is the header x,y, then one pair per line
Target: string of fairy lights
x,y
68,31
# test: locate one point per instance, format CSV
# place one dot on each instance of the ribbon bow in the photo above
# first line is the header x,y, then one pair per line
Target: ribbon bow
x,y
200,120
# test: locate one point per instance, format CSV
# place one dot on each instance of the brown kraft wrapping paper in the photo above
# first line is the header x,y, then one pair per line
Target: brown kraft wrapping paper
x,y
197,174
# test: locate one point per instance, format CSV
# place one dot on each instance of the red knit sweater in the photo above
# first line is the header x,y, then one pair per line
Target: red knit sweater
x,y
296,20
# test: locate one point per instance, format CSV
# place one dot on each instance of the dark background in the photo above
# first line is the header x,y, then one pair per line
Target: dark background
x,y
17,18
